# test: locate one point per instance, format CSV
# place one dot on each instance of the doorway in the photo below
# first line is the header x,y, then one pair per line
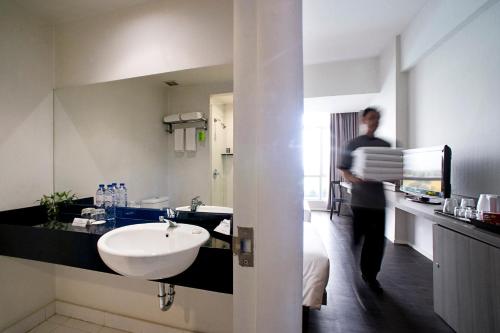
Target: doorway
x,y
221,149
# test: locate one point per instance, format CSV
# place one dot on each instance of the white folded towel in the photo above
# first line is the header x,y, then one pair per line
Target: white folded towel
x,y
382,164
179,139
381,177
171,117
378,163
380,150
378,157
363,170
191,139
224,227
191,116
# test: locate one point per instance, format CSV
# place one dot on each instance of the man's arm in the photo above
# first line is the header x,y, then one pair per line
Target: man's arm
x,y
350,177
346,162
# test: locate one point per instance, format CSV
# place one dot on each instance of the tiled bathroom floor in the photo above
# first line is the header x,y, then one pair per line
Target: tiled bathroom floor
x,y
63,324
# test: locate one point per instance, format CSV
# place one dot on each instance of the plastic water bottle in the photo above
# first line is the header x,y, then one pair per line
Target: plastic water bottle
x,y
122,195
109,204
99,196
115,194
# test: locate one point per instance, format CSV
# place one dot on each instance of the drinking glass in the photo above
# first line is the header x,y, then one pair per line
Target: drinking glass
x,y
99,215
87,213
466,202
459,212
449,205
470,213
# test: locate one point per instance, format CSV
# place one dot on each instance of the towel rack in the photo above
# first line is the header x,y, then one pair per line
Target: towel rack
x,y
170,124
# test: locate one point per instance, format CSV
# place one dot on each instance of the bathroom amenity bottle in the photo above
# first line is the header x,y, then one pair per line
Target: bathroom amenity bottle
x,y
99,196
109,204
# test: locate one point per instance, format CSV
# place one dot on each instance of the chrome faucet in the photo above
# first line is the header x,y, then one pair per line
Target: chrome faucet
x,y
195,203
170,224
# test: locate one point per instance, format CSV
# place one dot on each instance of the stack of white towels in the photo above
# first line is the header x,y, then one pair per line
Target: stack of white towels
x,y
184,138
378,163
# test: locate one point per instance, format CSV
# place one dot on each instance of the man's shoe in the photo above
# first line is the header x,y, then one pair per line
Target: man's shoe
x,y
374,285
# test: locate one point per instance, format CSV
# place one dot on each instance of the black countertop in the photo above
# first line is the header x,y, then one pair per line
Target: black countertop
x,y
25,233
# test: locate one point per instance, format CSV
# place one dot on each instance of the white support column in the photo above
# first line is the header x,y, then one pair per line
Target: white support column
x,y
268,192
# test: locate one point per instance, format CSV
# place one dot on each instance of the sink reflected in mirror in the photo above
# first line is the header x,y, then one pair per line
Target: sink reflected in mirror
x,y
207,209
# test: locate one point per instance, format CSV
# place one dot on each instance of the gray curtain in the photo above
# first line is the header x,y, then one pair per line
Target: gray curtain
x,y
343,128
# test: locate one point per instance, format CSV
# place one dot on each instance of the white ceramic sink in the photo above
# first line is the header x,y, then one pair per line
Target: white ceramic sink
x,y
144,250
207,209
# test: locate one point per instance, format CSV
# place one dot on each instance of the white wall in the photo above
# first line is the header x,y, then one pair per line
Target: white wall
x,y
112,132
228,161
190,172
358,76
268,104
454,100
392,98
193,309
25,287
156,37
386,98
418,233
25,149
25,107
436,22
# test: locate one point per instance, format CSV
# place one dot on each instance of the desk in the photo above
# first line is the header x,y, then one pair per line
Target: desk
x,y
466,262
411,223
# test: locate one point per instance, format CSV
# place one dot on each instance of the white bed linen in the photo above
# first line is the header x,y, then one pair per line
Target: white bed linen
x,y
316,268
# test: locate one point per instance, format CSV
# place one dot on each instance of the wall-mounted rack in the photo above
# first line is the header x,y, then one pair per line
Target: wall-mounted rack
x,y
203,124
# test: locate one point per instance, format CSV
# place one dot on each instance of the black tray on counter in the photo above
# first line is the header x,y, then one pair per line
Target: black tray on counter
x,y
487,226
477,223
461,219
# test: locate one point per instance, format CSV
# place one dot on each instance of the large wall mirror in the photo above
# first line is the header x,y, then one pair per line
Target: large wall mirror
x,y
114,132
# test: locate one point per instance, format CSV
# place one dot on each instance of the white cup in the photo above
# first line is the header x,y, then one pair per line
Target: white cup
x,y
483,204
488,203
493,202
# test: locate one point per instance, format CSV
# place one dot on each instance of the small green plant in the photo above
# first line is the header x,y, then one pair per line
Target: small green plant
x,y
53,202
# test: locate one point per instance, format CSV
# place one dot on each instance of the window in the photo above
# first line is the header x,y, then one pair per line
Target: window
x,y
316,155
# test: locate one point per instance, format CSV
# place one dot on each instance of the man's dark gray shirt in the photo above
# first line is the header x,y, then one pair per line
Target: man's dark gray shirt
x,y
369,194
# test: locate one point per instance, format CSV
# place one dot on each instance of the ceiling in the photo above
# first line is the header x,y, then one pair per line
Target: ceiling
x,y
59,11
333,29
351,29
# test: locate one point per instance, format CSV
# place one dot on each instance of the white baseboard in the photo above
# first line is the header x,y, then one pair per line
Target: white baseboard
x,y
94,316
33,320
421,251
416,248
112,320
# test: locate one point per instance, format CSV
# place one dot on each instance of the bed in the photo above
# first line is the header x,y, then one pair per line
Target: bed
x,y
316,269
